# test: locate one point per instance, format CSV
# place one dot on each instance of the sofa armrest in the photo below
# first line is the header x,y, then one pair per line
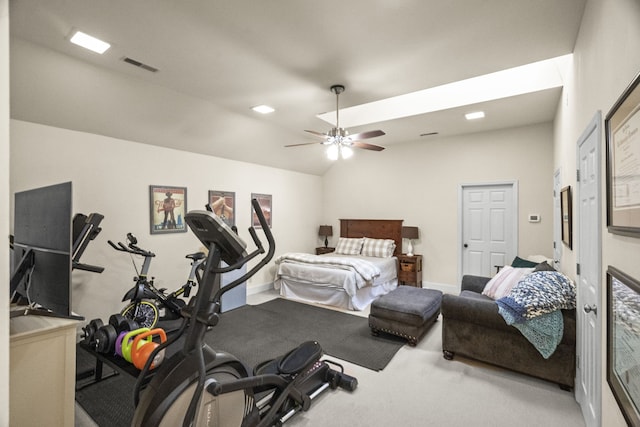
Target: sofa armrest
x,y
477,310
473,283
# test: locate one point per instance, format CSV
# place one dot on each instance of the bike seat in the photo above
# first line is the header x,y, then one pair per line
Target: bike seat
x,y
196,256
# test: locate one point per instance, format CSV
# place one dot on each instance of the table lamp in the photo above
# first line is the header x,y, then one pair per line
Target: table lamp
x,y
410,233
325,230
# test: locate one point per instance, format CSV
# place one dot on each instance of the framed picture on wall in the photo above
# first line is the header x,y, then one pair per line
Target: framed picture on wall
x,y
223,204
168,206
264,200
623,341
565,210
622,130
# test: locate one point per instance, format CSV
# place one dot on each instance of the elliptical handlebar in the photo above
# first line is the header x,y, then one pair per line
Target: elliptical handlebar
x,y
259,250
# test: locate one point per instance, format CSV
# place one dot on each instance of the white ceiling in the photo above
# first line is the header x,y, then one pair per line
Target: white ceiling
x,y
218,58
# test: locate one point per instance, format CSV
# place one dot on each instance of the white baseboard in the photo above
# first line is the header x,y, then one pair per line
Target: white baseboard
x,y
259,288
443,287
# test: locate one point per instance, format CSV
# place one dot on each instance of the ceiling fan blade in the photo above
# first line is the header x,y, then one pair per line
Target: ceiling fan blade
x,y
304,143
313,132
366,146
365,135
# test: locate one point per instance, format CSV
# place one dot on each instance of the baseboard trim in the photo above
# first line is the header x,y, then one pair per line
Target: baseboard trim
x,y
443,287
251,290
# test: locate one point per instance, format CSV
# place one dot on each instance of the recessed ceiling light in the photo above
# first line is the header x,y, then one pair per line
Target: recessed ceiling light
x,y
263,109
89,42
474,115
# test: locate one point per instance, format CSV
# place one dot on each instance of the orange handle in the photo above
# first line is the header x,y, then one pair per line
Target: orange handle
x,y
141,351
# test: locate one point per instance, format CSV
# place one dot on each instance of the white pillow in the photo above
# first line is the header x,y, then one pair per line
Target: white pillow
x,y
349,246
381,248
502,283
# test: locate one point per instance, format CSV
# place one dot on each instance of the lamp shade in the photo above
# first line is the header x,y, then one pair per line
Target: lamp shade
x,y
325,230
410,232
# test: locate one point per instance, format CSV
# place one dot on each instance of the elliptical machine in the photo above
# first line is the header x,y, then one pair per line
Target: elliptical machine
x,y
199,386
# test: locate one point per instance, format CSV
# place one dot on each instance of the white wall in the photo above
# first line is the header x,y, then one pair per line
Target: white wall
x,y
606,59
419,183
112,177
4,209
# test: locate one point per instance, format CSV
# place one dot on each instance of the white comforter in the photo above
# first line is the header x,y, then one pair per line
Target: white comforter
x,y
346,271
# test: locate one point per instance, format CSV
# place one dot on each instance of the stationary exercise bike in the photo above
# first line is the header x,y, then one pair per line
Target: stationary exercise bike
x,y
199,386
147,301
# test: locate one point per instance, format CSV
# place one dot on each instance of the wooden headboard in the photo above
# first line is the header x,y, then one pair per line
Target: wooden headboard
x,y
375,229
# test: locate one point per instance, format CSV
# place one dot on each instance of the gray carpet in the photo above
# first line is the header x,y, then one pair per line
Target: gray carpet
x,y
254,334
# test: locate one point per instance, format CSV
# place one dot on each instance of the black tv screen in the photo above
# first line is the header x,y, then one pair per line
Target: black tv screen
x,y
43,224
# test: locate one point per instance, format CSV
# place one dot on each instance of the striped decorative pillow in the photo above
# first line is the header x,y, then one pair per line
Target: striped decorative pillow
x,y
381,248
502,283
349,246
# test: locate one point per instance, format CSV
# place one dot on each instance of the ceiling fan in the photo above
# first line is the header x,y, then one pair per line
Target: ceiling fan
x,y
338,140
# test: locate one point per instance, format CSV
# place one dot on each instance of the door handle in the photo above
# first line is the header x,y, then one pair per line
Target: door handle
x,y
590,308
465,245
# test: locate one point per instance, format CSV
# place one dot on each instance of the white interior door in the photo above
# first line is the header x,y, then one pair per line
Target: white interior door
x,y
589,314
488,224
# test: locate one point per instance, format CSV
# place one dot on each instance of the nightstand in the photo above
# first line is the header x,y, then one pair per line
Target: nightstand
x,y
410,270
322,250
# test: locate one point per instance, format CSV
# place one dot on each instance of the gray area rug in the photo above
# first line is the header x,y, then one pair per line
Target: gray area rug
x,y
255,333
262,332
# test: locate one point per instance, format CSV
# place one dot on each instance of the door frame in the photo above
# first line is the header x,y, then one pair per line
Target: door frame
x,y
557,220
514,207
594,127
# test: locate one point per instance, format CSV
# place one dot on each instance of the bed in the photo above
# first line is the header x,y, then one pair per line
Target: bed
x,y
363,267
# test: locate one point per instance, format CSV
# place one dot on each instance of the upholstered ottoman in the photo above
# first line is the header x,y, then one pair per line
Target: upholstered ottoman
x,y
406,311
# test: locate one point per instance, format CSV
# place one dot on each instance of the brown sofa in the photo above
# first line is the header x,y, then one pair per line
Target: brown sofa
x,y
473,328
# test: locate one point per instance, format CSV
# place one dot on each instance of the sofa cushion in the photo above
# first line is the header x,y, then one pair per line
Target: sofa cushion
x,y
544,266
475,295
502,283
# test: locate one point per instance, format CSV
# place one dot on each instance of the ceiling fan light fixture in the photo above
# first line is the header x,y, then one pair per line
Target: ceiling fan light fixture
x,y
333,152
346,151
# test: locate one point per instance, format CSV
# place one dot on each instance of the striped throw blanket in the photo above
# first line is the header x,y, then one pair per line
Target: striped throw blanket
x,y
365,269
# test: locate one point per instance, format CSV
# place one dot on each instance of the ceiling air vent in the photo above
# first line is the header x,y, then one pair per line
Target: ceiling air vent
x,y
139,64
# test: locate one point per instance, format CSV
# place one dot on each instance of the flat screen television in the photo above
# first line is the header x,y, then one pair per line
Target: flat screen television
x,y
43,250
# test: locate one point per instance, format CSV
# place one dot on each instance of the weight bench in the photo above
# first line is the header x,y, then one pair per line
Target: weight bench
x,y
406,311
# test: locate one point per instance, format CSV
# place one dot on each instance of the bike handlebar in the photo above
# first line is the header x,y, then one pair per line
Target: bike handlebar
x,y
132,249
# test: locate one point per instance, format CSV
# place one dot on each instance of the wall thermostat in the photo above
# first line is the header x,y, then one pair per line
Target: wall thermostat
x,y
534,217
